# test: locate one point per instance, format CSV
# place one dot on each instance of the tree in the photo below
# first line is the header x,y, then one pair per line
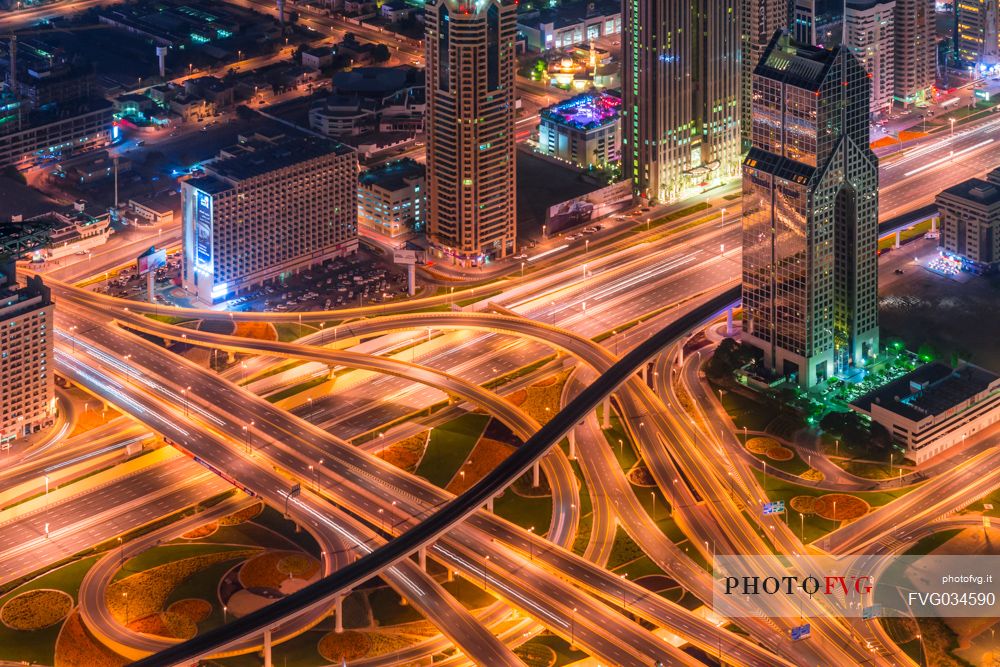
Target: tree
x,y
729,356
380,53
14,174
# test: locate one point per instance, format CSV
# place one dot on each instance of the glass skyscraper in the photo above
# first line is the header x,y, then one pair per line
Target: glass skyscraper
x,y
810,214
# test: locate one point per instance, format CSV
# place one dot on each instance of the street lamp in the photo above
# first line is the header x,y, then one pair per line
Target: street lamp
x,y
723,224
952,127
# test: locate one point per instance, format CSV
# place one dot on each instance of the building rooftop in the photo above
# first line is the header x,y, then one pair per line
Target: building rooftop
x,y
570,14
11,292
976,190
377,80
393,176
799,65
262,156
930,390
585,111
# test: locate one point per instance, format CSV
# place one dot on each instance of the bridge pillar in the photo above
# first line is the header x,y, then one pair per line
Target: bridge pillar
x,y
897,238
422,558
729,321
606,412
535,475
934,222
411,279
489,506
230,356
339,611
267,648
571,436
642,372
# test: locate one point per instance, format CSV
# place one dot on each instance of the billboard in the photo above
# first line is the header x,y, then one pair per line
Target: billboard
x,y
584,208
203,228
151,260
407,256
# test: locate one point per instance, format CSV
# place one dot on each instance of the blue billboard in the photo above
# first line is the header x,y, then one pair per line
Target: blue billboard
x,y
203,228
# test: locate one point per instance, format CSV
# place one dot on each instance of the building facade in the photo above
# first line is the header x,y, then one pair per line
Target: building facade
x,y
810,214
569,25
804,21
915,51
871,38
970,224
27,387
278,205
584,130
760,19
38,136
470,129
681,91
934,407
977,34
392,199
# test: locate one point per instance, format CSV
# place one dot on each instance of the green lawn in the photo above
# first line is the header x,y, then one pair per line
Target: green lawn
x,y
746,412
168,553
468,593
39,646
524,511
564,654
448,447
905,235
387,608
249,533
295,389
271,518
290,331
204,585
932,542
639,567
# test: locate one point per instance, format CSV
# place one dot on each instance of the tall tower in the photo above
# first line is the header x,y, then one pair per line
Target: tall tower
x,y
470,128
870,34
810,214
978,32
915,50
803,23
760,19
681,89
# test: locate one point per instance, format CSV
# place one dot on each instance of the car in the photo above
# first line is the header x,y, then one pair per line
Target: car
x,y
898,272
523,255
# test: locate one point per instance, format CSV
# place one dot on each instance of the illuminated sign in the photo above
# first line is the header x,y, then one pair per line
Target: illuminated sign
x,y
151,260
203,228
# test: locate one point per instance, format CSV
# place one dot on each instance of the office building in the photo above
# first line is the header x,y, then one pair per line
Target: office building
x,y
368,100
915,49
27,389
934,407
970,224
977,35
391,199
760,19
584,130
681,86
269,206
871,38
810,214
804,19
470,129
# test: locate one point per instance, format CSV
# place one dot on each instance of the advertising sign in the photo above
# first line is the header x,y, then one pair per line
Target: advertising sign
x,y
588,207
151,260
203,228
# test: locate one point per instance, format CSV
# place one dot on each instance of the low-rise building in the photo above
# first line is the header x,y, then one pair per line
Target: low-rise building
x,y
27,387
584,130
372,99
89,168
569,25
934,407
970,223
275,205
32,137
391,199
317,57
156,210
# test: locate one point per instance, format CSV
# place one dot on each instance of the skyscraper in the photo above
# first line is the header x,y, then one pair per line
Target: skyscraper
x,y
27,388
871,38
470,128
803,24
978,35
810,214
760,19
681,90
915,50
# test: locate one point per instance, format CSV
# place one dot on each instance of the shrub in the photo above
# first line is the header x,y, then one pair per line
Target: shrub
x,y
76,648
345,646
36,609
195,609
242,515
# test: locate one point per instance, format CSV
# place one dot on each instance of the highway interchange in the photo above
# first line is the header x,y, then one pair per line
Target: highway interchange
x,y
362,510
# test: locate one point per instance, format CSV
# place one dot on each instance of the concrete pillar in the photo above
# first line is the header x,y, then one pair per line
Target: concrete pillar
x,y
150,286
571,436
161,56
267,649
489,504
606,412
642,372
450,575
230,357
535,475
729,321
897,238
680,354
339,611
934,222
422,558
411,279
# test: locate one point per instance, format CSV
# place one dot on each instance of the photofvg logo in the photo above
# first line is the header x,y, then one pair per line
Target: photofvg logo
x,y
863,586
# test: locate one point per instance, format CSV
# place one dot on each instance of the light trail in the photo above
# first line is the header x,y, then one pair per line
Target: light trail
x,y
950,156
